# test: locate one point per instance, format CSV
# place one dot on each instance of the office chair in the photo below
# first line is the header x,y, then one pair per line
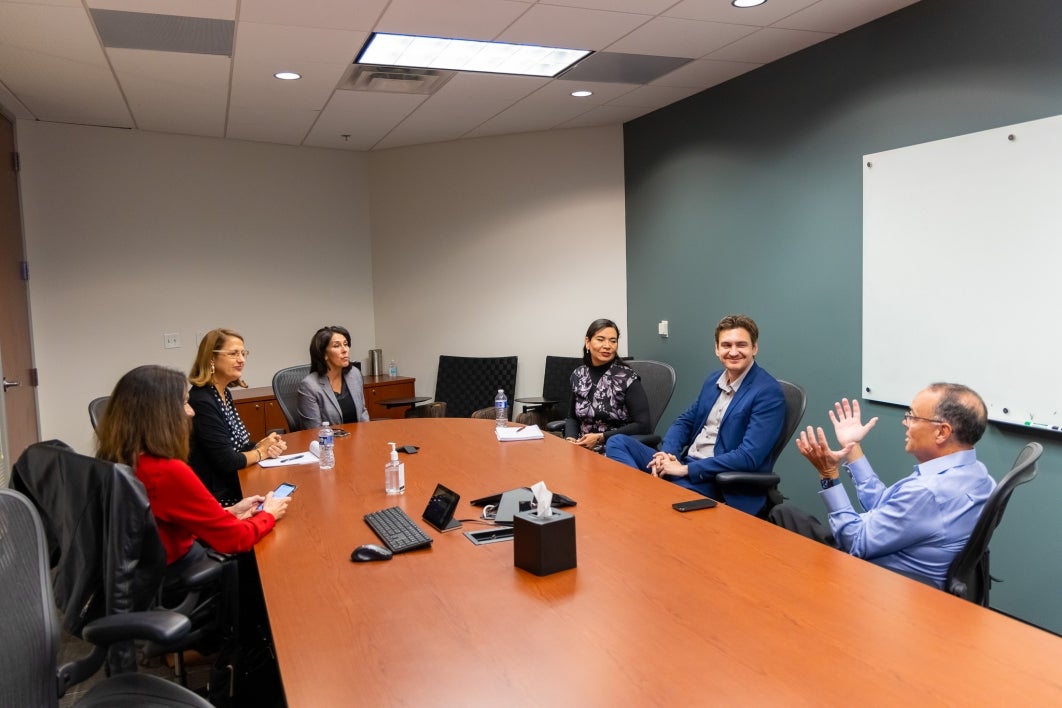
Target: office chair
x,y
285,388
968,576
29,649
658,380
556,386
104,548
758,483
96,408
468,384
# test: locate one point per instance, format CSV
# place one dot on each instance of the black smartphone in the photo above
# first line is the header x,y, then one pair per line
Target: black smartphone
x,y
340,433
694,504
284,489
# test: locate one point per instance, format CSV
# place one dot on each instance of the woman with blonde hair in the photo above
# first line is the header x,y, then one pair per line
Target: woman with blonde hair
x,y
221,445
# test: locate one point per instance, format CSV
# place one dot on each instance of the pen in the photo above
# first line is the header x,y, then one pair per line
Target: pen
x,y
291,459
520,428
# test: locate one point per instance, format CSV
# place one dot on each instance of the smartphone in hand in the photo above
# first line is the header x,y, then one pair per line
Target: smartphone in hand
x,y
284,489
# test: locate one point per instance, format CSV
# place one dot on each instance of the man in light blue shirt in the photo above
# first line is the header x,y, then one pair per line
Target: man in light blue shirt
x,y
918,525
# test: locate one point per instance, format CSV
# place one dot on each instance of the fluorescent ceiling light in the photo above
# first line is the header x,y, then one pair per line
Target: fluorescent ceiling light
x,y
467,55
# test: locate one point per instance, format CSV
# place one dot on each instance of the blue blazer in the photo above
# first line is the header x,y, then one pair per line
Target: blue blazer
x,y
750,428
318,402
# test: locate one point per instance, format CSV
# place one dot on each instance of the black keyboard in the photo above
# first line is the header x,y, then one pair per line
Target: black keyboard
x,y
397,531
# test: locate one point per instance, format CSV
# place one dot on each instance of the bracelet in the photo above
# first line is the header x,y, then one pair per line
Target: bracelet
x,y
259,451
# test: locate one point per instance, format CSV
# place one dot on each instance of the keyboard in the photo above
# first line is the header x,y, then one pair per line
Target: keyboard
x,y
397,531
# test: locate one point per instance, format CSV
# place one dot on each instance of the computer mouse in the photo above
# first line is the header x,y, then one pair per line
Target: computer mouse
x,y
370,552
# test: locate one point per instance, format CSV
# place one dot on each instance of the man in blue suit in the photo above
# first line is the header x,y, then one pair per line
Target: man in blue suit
x,y
731,427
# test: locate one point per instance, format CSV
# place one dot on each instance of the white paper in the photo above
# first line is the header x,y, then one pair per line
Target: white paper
x,y
524,432
298,458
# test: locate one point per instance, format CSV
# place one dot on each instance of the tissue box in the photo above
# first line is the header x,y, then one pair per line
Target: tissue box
x,y
544,545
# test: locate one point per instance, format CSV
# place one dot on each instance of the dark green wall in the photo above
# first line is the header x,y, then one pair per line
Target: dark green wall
x,y
748,198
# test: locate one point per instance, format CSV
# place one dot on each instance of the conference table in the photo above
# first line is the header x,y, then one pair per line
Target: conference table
x,y
710,607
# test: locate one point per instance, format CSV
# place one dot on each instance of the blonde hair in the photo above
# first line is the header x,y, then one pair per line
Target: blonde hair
x,y
201,373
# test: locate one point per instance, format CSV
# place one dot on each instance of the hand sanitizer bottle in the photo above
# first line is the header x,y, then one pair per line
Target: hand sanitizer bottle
x,y
394,473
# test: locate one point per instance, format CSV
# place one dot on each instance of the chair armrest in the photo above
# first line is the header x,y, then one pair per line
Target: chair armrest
x,y
201,573
752,479
555,426
154,625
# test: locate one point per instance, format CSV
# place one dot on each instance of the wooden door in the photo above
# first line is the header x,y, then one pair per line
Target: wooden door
x,y
16,361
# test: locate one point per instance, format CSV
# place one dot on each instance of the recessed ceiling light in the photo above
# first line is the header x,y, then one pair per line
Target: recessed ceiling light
x,y
747,3
287,75
582,94
467,55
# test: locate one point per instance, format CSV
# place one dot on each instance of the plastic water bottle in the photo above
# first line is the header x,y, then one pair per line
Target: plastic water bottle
x,y
392,368
501,412
327,440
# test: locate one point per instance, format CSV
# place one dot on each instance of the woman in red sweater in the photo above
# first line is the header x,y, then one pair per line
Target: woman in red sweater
x,y
147,426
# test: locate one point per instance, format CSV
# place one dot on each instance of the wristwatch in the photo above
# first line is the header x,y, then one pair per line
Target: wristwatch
x,y
827,482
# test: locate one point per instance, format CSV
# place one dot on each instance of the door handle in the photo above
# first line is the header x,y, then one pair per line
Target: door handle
x,y
10,384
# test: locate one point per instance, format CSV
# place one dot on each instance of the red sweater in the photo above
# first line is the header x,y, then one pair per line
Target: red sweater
x,y
184,511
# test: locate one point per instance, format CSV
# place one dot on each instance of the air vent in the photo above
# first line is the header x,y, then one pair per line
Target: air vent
x,y
394,79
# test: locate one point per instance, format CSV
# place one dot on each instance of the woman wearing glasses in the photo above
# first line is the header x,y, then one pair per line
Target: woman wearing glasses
x,y
333,390
220,443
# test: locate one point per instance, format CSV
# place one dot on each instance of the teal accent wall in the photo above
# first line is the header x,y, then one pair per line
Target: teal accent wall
x,y
748,198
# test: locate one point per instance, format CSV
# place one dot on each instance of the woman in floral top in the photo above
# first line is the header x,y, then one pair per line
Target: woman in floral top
x,y
607,396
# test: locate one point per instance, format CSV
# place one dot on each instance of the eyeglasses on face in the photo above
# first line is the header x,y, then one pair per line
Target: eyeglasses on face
x,y
234,353
910,417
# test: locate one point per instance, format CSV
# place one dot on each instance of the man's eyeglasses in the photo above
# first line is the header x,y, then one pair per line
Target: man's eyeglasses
x,y
234,354
909,417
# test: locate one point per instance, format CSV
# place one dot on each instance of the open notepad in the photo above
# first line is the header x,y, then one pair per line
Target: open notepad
x,y
524,432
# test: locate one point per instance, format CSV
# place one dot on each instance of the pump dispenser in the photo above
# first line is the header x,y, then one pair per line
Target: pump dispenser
x,y
394,473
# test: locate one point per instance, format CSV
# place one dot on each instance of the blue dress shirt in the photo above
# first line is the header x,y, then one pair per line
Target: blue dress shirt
x,y
918,525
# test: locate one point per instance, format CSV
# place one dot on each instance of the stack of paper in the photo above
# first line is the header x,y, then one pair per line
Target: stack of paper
x,y
524,432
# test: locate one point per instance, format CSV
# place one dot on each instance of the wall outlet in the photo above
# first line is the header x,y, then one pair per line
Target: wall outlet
x,y
662,329
171,341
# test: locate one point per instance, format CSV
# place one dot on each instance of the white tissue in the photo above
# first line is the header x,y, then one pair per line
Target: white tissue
x,y
543,499
315,448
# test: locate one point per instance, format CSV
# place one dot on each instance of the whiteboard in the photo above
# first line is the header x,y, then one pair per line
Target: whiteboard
x,y
962,253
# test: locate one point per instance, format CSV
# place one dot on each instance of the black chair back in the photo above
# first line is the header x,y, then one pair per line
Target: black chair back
x,y
658,380
968,575
285,388
469,383
796,402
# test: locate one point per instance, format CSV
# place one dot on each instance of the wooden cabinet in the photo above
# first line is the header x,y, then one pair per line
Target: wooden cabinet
x,y
381,388
259,411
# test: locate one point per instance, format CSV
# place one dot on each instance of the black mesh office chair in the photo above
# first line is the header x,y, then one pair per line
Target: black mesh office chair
x,y
968,576
468,384
96,408
756,483
29,637
658,380
285,388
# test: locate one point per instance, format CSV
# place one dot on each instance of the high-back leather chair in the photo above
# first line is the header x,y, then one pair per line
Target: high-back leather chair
x,y
757,483
96,407
286,389
968,576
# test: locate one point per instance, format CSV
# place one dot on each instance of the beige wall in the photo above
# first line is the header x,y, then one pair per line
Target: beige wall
x,y
131,235
497,246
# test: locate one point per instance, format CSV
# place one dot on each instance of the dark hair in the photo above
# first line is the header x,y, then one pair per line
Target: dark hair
x,y
319,344
213,340
738,322
595,327
963,409
145,414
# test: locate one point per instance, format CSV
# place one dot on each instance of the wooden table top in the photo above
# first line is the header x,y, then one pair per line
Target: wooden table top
x,y
664,608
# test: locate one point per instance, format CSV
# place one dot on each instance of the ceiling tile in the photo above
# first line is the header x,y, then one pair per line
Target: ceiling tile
x,y
768,44
667,36
214,9
840,15
722,11
461,19
705,73
366,116
571,28
330,14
